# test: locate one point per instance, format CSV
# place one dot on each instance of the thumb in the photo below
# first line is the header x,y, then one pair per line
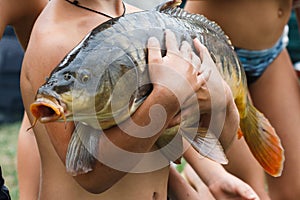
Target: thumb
x,y
247,192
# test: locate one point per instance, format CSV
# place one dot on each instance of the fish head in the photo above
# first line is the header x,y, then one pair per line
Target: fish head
x,y
63,92
81,87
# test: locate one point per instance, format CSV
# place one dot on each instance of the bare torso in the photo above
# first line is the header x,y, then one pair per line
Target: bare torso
x,y
55,33
57,184
250,35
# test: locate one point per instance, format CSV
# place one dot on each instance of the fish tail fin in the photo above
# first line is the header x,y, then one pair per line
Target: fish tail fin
x,y
263,141
82,149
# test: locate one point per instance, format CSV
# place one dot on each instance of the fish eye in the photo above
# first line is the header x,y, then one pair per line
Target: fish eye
x,y
84,76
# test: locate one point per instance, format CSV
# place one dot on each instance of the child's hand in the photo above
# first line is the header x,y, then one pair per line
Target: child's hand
x,y
178,71
230,187
222,186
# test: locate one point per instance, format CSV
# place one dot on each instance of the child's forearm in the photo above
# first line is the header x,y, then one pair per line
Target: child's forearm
x,y
207,169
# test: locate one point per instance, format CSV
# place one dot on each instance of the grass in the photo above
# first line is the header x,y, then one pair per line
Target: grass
x,y
8,159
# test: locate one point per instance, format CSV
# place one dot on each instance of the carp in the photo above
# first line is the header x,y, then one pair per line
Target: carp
x,y
90,72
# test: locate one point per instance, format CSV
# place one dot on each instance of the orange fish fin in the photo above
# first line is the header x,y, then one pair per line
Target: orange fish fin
x,y
263,141
240,133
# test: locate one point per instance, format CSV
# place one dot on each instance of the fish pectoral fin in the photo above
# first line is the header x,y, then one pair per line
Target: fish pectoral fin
x,y
263,141
82,149
207,144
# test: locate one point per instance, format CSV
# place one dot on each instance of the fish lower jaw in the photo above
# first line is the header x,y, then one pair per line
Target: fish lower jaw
x,y
47,114
46,110
49,119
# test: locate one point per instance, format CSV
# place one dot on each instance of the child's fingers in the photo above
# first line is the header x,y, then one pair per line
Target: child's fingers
x,y
196,61
154,52
171,42
186,51
200,48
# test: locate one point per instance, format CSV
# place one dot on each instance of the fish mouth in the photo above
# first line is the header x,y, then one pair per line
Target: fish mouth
x,y
48,109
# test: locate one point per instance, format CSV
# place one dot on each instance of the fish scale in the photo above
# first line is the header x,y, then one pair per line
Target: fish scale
x,y
119,46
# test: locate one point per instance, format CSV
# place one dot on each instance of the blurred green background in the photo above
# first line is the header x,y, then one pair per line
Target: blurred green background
x,y
8,160
11,107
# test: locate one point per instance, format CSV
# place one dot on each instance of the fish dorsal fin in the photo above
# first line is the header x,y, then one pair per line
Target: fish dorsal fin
x,y
172,8
167,5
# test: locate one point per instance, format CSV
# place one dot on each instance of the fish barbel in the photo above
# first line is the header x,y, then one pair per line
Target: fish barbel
x,y
118,46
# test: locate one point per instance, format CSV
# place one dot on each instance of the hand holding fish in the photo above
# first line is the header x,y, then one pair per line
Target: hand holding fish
x,y
178,70
215,86
220,92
